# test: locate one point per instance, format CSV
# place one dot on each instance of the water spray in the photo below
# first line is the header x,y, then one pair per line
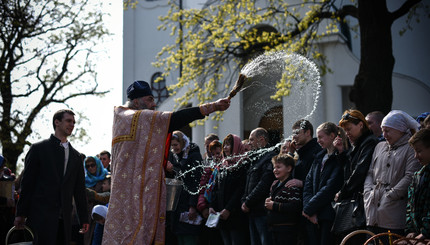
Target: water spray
x,y
304,76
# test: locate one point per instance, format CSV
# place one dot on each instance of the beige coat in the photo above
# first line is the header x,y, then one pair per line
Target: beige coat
x,y
387,182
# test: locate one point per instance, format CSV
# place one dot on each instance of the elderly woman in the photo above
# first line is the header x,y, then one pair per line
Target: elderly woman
x,y
356,161
390,174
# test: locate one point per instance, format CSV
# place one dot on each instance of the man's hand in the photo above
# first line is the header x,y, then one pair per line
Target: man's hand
x,y
292,148
294,183
19,222
245,209
313,219
222,104
219,105
84,228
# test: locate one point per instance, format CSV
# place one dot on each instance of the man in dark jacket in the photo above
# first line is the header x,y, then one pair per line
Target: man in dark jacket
x,y
259,179
52,177
307,147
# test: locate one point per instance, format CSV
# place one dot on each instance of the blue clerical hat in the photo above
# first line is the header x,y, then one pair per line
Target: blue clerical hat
x,y
138,89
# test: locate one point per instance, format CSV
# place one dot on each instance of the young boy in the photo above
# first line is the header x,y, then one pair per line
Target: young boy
x,y
99,214
284,204
106,184
418,207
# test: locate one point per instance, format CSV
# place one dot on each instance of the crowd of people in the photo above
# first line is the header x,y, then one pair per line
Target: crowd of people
x,y
285,193
239,191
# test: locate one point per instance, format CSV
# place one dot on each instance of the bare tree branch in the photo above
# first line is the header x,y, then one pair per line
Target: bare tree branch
x,y
42,43
404,9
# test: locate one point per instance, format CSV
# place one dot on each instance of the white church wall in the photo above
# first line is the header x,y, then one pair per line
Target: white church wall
x,y
411,78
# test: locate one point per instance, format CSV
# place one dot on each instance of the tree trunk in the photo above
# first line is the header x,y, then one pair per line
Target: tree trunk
x,y
372,90
11,155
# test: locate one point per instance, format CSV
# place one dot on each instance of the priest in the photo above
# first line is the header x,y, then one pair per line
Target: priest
x,y
140,145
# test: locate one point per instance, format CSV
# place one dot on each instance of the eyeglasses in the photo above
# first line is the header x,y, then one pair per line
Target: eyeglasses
x,y
91,165
348,116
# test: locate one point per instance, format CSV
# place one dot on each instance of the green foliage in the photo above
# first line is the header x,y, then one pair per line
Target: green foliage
x,y
217,40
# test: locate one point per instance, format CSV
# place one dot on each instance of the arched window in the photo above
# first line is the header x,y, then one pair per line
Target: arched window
x,y
159,88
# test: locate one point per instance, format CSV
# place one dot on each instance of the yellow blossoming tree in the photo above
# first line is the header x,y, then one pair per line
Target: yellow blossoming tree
x,y
213,43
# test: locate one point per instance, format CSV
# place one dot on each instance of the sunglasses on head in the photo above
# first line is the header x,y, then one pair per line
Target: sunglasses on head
x,y
296,131
348,116
92,165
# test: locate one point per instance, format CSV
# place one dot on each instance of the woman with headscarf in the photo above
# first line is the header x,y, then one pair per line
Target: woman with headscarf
x,y
95,173
184,157
229,188
390,174
207,181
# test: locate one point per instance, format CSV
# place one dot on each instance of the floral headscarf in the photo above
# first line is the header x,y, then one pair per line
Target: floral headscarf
x,y
91,180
